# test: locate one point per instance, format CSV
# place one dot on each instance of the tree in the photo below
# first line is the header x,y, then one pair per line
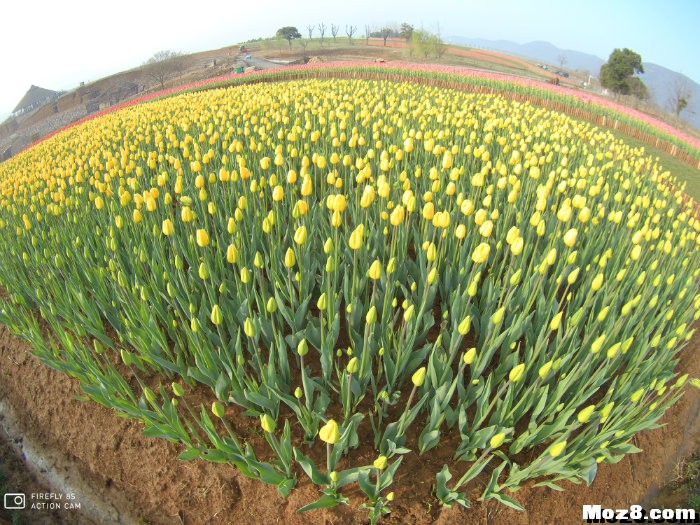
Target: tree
x,y
162,65
368,33
289,33
562,60
385,32
350,30
637,88
303,43
334,31
426,43
617,72
310,28
322,30
680,97
406,31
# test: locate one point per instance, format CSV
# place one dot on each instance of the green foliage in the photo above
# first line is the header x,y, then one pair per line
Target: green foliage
x,y
288,33
406,31
426,44
617,72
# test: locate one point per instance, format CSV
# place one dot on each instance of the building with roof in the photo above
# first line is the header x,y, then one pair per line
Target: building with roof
x,y
35,97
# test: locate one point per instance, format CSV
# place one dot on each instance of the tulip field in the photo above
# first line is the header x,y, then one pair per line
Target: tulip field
x,y
351,262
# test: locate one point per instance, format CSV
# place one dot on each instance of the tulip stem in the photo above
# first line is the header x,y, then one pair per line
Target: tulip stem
x,y
328,457
349,397
408,406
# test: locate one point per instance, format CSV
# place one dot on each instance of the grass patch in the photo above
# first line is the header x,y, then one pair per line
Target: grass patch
x,y
679,169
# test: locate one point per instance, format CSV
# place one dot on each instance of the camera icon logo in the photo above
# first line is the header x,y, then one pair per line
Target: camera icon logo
x,y
14,501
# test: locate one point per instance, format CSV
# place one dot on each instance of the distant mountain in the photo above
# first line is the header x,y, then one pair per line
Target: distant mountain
x,y
662,82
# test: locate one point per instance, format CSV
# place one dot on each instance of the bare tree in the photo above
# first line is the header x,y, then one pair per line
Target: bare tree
x,y
322,30
350,30
680,97
368,32
562,60
334,31
303,43
385,33
162,65
310,28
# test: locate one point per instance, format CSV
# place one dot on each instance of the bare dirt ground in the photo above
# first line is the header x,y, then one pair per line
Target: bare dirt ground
x,y
145,479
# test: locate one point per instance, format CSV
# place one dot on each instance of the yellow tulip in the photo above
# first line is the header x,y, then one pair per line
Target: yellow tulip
x,y
167,227
355,241
497,440
517,373
300,235
375,270
418,377
570,237
557,449
481,253
202,238
397,216
329,433
289,258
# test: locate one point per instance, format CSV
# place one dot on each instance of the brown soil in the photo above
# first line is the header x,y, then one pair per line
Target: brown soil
x,y
144,476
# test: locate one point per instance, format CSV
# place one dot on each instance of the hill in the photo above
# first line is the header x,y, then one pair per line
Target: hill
x,y
661,81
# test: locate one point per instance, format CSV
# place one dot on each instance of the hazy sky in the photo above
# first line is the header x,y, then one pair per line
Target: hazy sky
x,y
57,44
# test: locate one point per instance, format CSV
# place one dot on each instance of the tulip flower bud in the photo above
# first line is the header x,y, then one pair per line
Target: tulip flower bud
x,y
167,227
353,365
371,316
300,235
408,314
218,409
330,433
597,344
322,302
497,440
571,278
302,348
380,462
557,449
298,392
267,423
517,373
570,237
555,323
418,377
585,414
544,369
375,270
355,240
465,325
203,271
432,276
481,253
202,238
216,315
249,328
497,316
289,258
469,356
178,390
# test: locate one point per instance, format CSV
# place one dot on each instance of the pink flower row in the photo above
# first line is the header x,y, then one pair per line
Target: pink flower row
x,y
464,72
